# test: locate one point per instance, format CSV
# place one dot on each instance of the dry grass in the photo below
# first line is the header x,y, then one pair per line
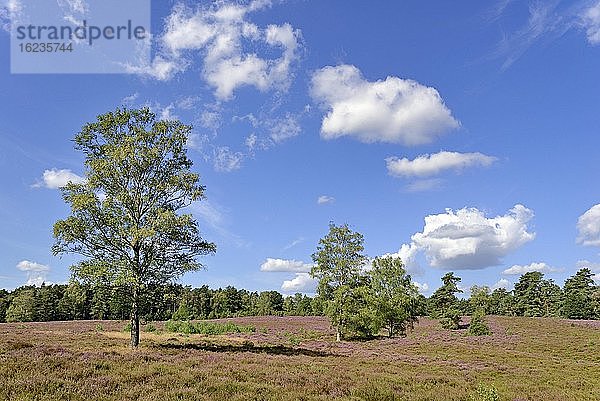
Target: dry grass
x,y
297,359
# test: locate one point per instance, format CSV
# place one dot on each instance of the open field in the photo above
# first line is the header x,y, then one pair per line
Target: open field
x,y
295,358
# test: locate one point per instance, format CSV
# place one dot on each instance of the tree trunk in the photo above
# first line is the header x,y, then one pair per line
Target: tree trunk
x,y
338,334
135,320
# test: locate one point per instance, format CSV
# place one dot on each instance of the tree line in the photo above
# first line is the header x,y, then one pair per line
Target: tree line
x,y
533,295
129,225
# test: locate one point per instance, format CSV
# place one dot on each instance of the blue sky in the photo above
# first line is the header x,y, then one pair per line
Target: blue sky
x,y
460,136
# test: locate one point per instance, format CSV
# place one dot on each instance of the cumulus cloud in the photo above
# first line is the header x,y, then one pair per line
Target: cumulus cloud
x,y
408,254
393,110
432,164
36,272
228,42
284,265
323,199
467,239
588,227
517,270
502,283
591,23
56,178
303,282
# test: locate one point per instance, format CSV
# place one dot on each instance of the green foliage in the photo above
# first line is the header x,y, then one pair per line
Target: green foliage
x,y
481,299
150,328
99,327
444,305
124,217
502,303
5,300
269,303
22,307
393,297
338,262
361,320
450,319
485,393
535,296
293,339
208,328
182,313
580,301
478,326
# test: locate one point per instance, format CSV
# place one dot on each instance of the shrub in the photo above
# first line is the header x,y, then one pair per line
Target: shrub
x,y
478,326
485,393
150,328
450,319
208,328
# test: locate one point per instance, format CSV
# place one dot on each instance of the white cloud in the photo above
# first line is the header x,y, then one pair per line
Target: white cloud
x,y
284,265
467,239
303,282
251,141
424,185
36,272
591,23
211,118
220,32
56,178
130,100
431,164
293,243
394,110
593,266
166,113
541,267
285,128
502,283
408,254
209,213
218,219
423,288
324,199
226,160
588,226
279,129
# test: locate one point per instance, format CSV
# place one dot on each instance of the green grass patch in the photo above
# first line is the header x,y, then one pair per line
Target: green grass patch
x,y
208,328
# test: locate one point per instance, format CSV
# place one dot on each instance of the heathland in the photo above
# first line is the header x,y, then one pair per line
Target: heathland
x,y
297,358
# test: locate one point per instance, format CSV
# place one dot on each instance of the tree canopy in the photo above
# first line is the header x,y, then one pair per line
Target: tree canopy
x,y
338,262
125,217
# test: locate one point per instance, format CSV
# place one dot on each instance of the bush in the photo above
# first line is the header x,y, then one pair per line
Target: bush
x,y
150,328
450,319
485,393
208,328
478,326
